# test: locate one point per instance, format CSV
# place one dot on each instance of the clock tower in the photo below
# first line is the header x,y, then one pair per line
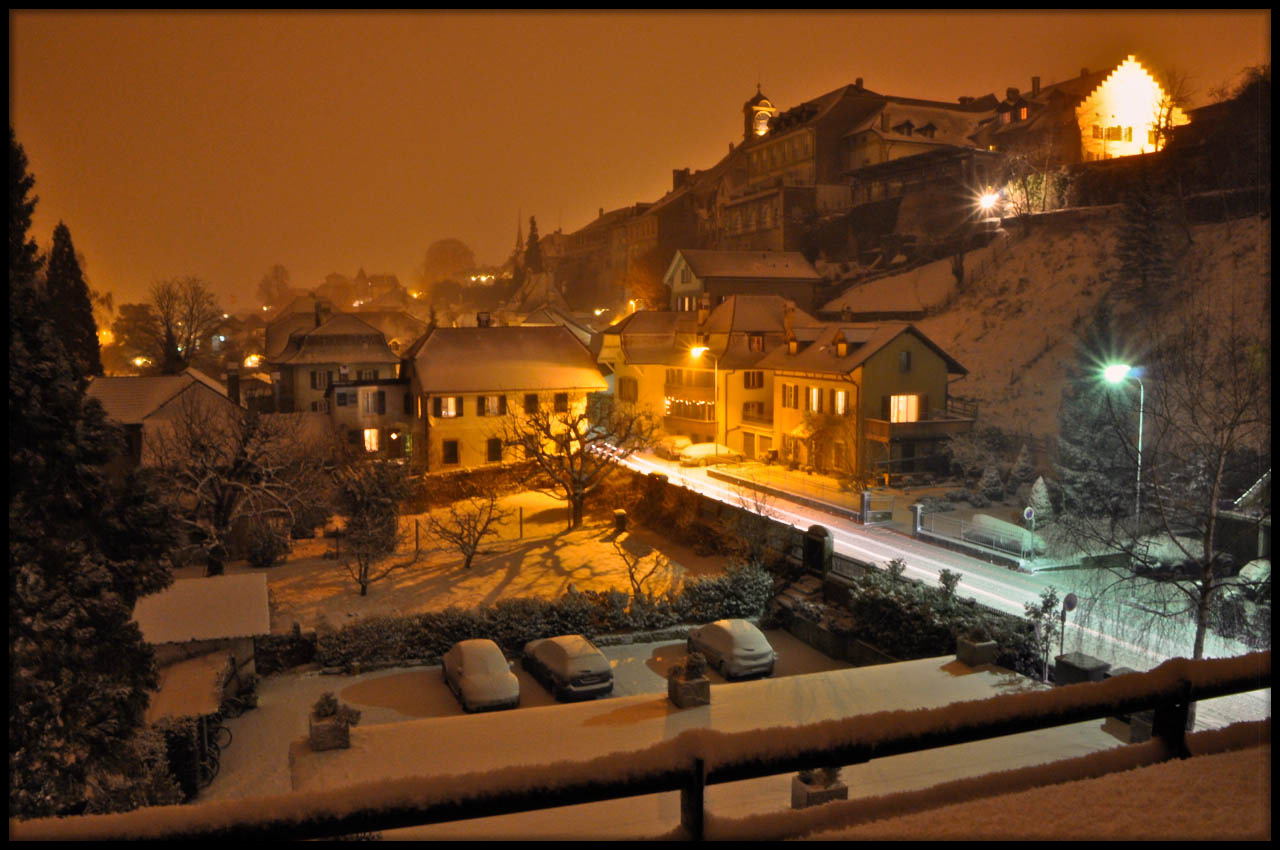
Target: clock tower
x,y
756,114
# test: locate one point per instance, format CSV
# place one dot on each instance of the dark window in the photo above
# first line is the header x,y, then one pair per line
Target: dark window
x,y
449,450
408,404
753,410
562,402
752,380
628,389
904,361
495,450
340,398
756,342
531,403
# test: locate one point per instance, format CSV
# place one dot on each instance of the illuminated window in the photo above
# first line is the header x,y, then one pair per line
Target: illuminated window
x,y
841,406
904,408
1151,137
491,405
370,439
1022,114
447,407
813,400
1128,134
1114,134
373,401
1097,131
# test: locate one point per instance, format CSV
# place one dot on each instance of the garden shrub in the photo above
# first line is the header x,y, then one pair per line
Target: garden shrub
x,y
264,546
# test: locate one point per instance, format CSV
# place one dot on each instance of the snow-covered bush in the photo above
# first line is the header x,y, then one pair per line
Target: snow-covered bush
x,y
991,485
742,591
264,545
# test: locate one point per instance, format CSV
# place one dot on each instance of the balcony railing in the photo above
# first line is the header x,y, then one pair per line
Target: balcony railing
x,y
883,431
700,757
689,393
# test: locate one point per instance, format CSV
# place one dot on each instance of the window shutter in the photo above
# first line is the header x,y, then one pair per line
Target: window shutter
x,y
831,400
884,407
328,378
806,399
458,403
382,401
435,407
924,407
502,405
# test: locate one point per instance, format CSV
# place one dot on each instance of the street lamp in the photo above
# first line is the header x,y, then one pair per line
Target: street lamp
x,y
696,352
1115,373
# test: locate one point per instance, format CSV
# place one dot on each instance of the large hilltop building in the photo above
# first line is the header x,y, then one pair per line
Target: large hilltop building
x,y
856,174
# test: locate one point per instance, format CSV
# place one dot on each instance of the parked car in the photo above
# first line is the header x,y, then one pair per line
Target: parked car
x,y
671,447
734,647
569,665
707,454
480,676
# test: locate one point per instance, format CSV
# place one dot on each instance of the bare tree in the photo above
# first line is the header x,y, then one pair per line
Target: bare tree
x,y
274,289
186,313
470,519
225,465
575,448
369,494
1207,438
637,573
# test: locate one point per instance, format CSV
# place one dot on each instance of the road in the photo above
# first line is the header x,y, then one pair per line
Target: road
x,y
1114,636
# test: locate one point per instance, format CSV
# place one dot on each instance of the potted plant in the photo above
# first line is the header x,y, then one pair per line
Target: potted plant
x,y
814,786
687,684
330,723
975,648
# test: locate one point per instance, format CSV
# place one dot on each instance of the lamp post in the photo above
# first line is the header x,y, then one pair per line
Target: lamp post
x,y
696,352
1115,373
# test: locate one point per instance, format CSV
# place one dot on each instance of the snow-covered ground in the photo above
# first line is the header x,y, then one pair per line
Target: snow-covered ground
x,y
542,559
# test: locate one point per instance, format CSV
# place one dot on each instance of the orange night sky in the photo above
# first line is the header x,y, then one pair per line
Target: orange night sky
x,y
219,144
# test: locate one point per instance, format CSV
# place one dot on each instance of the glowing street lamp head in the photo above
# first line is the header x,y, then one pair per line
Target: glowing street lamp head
x,y
989,200
698,350
1116,372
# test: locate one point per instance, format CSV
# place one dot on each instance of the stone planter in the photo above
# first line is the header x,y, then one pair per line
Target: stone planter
x,y
329,733
975,653
686,693
804,795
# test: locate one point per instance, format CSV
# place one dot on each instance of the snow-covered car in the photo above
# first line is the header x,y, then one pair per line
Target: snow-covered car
x,y
480,676
671,447
569,666
734,647
708,454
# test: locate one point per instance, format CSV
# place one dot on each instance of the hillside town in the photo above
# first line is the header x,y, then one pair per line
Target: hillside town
x,y
765,508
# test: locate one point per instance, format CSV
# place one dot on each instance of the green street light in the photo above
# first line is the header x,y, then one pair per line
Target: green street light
x,y
1115,373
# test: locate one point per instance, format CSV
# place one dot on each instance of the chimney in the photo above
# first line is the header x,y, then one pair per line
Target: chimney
x,y
1035,86
965,100
731,147
1084,72
233,383
788,314
1011,93
858,82
602,212
884,122
679,177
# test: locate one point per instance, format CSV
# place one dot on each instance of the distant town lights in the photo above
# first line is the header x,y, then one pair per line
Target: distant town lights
x,y
252,361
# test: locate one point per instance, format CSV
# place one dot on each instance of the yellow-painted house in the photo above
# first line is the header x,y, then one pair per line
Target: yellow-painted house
x,y
465,383
862,400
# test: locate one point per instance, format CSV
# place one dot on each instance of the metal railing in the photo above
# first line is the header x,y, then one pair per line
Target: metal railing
x,y
687,763
969,534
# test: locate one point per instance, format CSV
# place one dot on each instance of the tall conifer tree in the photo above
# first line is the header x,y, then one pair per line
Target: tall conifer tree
x,y
82,549
72,313
533,249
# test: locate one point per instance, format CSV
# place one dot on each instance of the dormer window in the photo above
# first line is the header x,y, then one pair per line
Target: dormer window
x,y
904,128
755,342
792,346
1022,113
928,130
842,348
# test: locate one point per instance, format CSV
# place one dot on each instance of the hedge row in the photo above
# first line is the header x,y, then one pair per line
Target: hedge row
x,y
743,591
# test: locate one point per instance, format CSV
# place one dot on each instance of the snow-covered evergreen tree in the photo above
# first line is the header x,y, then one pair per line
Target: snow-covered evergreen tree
x,y
82,548
73,317
1023,472
1093,468
1145,243
991,484
1041,502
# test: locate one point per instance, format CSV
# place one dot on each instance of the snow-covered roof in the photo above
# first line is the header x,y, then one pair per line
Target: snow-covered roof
x,y
343,338
189,688
951,124
782,265
821,355
515,358
205,609
130,400
754,314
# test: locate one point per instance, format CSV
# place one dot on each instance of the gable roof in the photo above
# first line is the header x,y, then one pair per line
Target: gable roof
x,y
129,400
514,358
754,314
769,265
343,338
865,340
